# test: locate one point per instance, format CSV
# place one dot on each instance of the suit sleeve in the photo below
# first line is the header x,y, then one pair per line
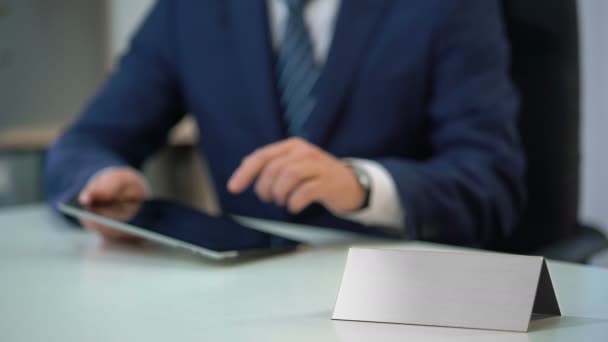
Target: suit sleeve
x,y
470,191
128,119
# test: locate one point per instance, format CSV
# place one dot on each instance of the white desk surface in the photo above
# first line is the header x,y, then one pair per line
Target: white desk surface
x,y
62,284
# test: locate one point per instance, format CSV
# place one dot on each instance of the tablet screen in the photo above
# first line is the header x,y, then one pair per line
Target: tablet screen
x,y
182,223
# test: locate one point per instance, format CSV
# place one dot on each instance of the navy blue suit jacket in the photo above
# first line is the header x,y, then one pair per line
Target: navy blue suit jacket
x,y
420,86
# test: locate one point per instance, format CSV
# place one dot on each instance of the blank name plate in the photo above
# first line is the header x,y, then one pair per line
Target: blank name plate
x,y
450,289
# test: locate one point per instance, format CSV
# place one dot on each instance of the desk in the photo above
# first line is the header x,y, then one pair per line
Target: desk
x,y
62,284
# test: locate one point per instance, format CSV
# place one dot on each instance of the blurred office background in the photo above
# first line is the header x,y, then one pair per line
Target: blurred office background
x,y
54,54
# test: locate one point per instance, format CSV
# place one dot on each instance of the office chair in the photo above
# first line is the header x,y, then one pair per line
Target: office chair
x,y
545,67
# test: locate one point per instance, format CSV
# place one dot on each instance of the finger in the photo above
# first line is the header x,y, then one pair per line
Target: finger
x,y
292,176
121,211
304,195
102,188
114,185
109,233
253,164
268,176
263,184
132,191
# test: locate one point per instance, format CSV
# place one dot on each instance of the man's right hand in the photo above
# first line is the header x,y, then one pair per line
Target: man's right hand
x,y
116,184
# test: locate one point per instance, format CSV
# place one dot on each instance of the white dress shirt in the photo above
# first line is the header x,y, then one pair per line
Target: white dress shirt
x,y
320,16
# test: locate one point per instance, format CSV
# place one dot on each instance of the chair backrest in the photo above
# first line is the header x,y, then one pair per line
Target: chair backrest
x,y
545,67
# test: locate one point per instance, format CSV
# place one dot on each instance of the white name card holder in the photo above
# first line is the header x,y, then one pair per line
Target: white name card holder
x,y
451,289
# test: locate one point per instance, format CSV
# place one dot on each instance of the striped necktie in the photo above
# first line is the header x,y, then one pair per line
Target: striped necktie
x,y
297,72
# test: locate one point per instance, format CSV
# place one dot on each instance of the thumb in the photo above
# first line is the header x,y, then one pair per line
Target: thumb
x,y
104,187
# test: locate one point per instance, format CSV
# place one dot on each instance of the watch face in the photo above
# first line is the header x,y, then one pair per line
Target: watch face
x,y
363,178
365,182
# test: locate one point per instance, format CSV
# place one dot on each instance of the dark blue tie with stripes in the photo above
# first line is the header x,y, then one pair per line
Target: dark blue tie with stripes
x,y
297,72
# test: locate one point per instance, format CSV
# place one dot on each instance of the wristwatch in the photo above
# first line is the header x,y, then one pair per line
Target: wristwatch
x,y
364,181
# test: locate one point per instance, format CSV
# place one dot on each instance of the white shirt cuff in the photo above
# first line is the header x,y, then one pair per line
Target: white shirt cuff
x,y
384,208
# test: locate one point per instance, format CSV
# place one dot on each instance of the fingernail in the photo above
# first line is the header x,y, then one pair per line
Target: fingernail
x,y
232,185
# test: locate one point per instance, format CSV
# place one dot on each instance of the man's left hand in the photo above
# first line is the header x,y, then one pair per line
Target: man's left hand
x,y
295,174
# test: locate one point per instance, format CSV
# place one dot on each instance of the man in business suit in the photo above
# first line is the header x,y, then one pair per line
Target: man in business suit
x,y
373,115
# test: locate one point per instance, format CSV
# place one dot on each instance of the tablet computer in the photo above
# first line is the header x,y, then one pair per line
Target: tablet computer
x,y
177,225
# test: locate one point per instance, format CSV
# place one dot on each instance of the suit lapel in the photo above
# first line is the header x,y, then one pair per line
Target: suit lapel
x,y
354,27
251,41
